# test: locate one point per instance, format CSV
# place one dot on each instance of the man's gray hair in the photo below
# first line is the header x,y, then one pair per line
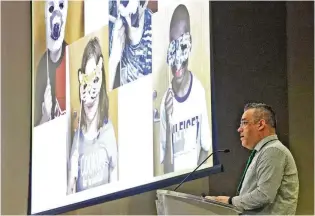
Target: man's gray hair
x,y
263,111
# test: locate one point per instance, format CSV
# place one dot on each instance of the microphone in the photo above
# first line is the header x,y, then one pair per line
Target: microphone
x,y
224,151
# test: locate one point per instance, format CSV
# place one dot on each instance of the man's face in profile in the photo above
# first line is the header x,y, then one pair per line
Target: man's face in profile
x,y
249,130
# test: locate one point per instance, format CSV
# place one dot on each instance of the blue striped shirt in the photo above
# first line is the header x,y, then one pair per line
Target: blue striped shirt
x,y
136,60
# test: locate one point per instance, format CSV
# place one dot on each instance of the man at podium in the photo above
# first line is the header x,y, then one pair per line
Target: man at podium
x,y
269,184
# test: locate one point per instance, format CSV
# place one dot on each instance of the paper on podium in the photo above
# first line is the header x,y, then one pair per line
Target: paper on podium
x,y
176,203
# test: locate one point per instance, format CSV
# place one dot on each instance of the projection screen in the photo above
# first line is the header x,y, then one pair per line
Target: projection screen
x,y
121,98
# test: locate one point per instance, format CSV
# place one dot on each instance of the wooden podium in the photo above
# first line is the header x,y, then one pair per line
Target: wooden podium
x,y
175,203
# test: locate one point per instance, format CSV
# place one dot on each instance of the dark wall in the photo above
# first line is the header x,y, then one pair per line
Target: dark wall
x,y
249,65
300,55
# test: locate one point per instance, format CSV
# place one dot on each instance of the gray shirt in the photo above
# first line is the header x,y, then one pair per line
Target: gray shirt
x,y
97,157
271,183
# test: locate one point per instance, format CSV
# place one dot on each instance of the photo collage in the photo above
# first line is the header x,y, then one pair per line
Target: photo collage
x,y
121,95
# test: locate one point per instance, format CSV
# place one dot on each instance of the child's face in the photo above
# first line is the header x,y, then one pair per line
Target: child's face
x,y
131,12
179,50
90,86
55,19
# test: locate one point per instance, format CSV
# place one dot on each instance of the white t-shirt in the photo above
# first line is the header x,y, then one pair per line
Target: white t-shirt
x,y
189,126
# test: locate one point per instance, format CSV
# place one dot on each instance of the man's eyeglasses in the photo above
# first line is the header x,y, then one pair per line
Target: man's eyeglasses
x,y
245,123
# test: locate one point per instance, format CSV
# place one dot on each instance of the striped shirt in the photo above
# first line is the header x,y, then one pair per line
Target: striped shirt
x,y
271,183
136,59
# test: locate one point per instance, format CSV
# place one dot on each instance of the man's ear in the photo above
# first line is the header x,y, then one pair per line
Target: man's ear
x,y
261,124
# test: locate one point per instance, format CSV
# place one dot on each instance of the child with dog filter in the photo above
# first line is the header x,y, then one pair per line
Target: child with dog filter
x,y
50,85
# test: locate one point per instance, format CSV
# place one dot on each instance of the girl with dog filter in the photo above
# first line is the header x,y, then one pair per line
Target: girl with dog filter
x,y
93,158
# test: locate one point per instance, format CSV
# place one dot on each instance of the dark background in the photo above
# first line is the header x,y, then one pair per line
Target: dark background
x,y
249,65
263,52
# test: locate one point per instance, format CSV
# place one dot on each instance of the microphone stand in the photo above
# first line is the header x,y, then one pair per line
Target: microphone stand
x,y
225,151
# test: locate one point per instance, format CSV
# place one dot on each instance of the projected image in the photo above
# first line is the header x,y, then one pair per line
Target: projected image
x,y
94,152
182,133
98,131
52,28
130,40
50,94
55,24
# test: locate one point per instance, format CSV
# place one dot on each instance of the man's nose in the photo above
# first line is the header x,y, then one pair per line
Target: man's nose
x,y
239,129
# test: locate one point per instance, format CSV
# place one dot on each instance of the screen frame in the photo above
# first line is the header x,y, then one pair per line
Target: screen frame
x,y
216,168
131,191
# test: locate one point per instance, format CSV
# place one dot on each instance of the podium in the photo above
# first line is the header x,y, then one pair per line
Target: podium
x,y
175,203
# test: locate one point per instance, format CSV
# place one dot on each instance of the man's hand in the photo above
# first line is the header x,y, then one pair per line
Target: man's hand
x,y
223,199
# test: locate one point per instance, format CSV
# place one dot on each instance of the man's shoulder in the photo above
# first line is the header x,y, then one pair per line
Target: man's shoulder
x,y
276,153
275,150
277,145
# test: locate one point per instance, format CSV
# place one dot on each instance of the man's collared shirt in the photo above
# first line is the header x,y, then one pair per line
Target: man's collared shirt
x,y
271,183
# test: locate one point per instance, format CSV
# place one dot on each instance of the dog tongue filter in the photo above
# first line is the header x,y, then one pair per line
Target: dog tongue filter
x,y
55,32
